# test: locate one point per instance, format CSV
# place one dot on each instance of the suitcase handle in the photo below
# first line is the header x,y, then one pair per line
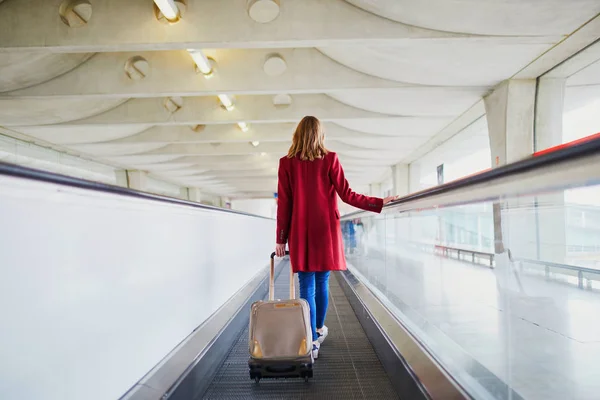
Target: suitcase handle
x,y
272,279
287,253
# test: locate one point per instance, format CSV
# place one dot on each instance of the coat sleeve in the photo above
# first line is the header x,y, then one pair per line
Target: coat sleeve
x,y
336,174
284,205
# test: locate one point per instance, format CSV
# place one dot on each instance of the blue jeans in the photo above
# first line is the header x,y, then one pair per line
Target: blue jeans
x,y
314,288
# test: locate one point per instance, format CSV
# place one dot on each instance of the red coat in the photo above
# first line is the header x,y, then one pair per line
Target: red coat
x,y
307,213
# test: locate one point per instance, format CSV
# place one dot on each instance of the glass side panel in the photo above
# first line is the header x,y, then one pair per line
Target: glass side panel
x,y
505,296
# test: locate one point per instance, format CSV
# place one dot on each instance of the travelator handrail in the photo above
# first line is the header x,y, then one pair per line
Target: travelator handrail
x,y
18,171
570,168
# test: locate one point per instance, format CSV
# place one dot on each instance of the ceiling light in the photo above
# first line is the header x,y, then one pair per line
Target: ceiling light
x,y
243,126
263,154
255,144
226,101
168,8
202,62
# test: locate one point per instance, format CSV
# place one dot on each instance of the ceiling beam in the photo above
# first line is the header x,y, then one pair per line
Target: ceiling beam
x,y
237,72
227,163
410,129
585,35
205,24
218,133
207,110
262,133
246,173
227,149
573,65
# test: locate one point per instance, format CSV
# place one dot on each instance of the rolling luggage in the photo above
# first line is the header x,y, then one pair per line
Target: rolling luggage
x,y
280,338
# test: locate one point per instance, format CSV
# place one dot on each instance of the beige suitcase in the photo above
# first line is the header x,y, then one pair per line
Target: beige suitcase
x,y
280,336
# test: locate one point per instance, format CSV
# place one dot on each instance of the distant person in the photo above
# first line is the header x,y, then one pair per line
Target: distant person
x,y
349,236
308,218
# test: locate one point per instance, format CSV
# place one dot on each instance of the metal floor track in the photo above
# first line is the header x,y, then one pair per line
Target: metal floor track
x,y
347,368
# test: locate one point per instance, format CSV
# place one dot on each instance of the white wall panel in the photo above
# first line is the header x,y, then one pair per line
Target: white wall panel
x,y
96,288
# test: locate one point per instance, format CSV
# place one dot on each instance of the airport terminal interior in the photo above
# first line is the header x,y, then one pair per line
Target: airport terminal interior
x,y
139,150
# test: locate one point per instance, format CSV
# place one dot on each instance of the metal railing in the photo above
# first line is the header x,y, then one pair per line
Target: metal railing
x,y
476,256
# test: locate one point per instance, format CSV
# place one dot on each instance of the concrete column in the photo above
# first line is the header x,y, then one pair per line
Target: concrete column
x,y
551,212
400,180
524,225
414,178
549,113
401,187
222,202
121,178
510,115
137,180
184,194
194,194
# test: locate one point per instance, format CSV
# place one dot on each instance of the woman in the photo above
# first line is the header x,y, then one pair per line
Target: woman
x,y
308,218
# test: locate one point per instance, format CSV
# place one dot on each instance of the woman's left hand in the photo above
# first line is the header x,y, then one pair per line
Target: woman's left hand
x,y
280,250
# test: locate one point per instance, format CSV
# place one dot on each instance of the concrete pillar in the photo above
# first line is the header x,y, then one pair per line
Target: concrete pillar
x,y
549,113
401,187
510,117
524,225
184,194
414,178
551,212
137,180
121,178
400,180
194,194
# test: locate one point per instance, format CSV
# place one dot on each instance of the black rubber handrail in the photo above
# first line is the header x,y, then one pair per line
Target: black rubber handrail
x,y
543,161
18,171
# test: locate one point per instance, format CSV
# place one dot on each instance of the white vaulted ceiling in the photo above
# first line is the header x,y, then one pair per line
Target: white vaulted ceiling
x,y
390,79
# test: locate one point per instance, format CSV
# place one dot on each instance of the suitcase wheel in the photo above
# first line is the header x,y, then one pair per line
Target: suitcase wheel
x,y
256,377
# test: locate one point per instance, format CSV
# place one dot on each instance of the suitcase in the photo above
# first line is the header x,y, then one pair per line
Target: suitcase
x,y
280,336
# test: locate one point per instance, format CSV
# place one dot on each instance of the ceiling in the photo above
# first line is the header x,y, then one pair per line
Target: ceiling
x,y
390,79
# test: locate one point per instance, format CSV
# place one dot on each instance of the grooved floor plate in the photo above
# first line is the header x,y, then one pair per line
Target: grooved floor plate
x,y
347,368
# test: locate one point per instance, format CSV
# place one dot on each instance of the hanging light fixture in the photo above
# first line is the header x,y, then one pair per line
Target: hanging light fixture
x,y
226,101
169,9
203,64
255,143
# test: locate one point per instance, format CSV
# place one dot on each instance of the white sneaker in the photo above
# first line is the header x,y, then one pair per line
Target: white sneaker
x,y
323,335
315,349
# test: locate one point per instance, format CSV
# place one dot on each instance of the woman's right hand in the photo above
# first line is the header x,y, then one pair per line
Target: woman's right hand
x,y
280,250
389,199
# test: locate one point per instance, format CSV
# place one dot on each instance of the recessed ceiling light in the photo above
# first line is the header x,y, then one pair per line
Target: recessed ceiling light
x,y
226,101
203,63
169,9
243,126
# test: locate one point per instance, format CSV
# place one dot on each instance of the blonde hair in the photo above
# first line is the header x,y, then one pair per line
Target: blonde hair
x,y
308,141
